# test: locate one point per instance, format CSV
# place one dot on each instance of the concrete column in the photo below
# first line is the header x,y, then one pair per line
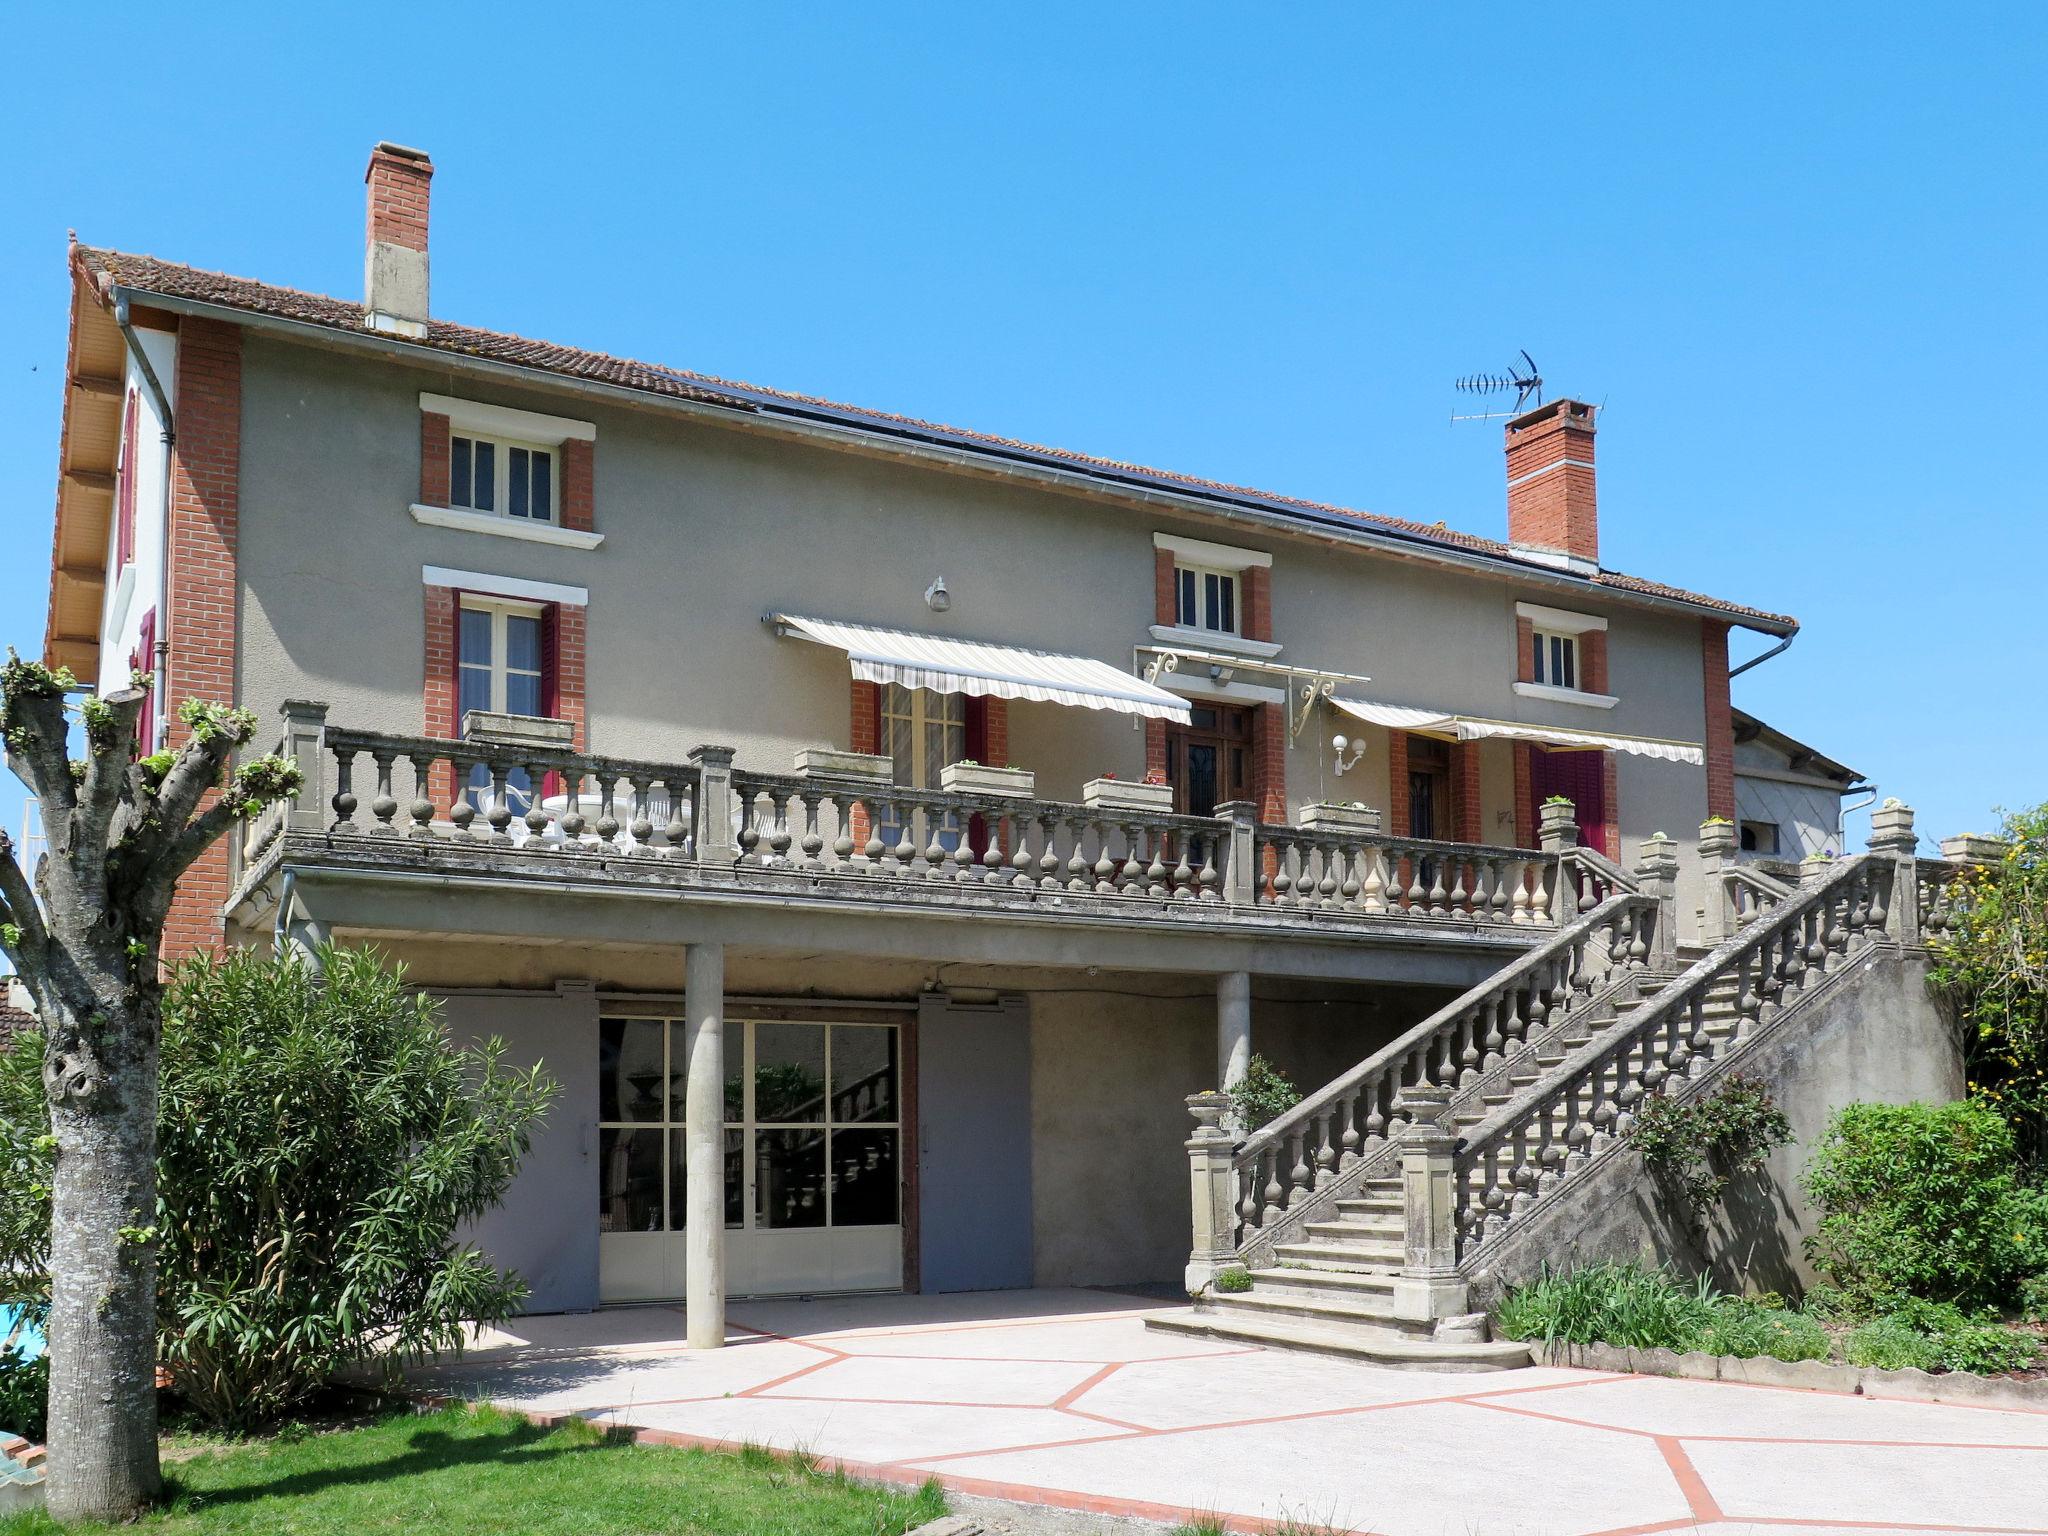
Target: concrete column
x,y
1233,1028
717,838
1892,837
1428,1286
1213,1191
1657,872
1240,853
304,739
1717,852
704,1109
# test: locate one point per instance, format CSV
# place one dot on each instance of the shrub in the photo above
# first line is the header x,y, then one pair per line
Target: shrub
x,y
2034,1298
24,1394
1234,1280
319,1142
1611,1304
1993,966
1264,1095
1890,1345
1693,1147
1986,1349
1923,1200
1750,1328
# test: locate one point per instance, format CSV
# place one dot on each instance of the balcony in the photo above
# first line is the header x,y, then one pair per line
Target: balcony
x,y
836,833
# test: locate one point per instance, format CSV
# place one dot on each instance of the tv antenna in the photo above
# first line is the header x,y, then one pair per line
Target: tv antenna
x,y
1522,378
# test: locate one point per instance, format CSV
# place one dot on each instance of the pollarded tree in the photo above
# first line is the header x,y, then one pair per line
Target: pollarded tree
x,y
84,933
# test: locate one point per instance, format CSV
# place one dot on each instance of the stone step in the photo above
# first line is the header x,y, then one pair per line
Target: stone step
x,y
1368,1310
1351,1233
1357,1258
1348,1286
1412,1354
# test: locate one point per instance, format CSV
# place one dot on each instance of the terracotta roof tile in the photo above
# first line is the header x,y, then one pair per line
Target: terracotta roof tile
x,y
171,280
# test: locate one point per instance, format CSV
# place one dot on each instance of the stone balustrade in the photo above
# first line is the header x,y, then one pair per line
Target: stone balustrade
x,y
514,788
1546,1135
1341,1134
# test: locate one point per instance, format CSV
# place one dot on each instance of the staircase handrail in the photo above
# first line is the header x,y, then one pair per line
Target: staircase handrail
x,y
1491,1189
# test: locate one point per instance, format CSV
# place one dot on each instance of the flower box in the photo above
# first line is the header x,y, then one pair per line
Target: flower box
x,y
498,730
1128,795
1353,820
831,763
980,779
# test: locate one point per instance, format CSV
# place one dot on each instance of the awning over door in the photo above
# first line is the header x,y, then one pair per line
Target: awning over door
x,y
1433,722
980,668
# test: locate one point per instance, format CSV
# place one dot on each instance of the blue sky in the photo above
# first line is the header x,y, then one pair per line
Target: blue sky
x,y
1800,264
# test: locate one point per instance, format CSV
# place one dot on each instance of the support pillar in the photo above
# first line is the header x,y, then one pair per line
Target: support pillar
x,y
1657,872
1240,851
1213,1191
1717,853
1233,1028
704,1108
1892,838
1429,1286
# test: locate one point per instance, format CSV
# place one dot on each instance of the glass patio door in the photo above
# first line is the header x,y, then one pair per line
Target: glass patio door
x,y
813,1157
922,731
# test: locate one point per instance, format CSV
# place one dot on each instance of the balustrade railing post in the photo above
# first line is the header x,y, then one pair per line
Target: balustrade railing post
x,y
1893,839
1239,821
1657,872
1428,1286
717,839
304,738
1213,1188
1557,829
1718,917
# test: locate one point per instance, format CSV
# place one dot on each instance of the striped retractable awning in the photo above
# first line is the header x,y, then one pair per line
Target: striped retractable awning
x,y
981,668
1436,722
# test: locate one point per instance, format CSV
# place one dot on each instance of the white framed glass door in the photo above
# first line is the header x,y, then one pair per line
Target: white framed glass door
x,y
922,731
813,1157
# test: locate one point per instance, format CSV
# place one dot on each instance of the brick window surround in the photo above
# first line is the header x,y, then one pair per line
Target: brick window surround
x,y
200,585
988,742
1720,719
564,663
1269,721
576,496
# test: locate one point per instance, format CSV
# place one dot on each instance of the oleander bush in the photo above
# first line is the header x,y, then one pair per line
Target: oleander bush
x,y
1694,1147
1265,1094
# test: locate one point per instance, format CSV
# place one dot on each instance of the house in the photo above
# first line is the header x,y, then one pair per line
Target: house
x,y
879,828
1788,796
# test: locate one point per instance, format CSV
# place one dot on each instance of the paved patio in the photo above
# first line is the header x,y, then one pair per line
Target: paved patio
x,y
1063,1398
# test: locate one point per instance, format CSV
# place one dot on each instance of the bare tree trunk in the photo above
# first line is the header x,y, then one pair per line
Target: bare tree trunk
x,y
101,1073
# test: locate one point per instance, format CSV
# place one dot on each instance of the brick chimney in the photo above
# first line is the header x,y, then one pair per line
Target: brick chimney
x,y
1552,512
395,243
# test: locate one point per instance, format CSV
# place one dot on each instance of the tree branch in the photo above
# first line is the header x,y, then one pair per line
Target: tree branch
x,y
200,765
39,739
19,911
109,749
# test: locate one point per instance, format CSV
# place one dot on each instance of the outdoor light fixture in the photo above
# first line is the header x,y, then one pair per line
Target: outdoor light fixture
x,y
936,597
1342,744
1220,674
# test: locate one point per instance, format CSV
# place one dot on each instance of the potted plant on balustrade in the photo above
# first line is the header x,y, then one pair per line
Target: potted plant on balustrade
x,y
967,777
1151,794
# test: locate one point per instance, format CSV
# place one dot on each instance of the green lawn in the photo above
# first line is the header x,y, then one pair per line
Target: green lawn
x,y
480,1471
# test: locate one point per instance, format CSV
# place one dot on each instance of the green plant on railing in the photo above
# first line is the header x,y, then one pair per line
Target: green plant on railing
x,y
1560,800
1263,1095
1695,1147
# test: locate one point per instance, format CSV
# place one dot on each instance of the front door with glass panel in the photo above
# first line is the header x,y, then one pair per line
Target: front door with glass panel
x,y
813,1157
1208,760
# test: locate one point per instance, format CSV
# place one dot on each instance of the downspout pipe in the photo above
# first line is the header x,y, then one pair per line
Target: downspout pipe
x,y
160,687
1779,649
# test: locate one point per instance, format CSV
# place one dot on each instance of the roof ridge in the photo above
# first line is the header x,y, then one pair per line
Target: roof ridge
x,y
634,373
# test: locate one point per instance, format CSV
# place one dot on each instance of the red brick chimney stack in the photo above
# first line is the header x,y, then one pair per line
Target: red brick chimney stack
x,y
395,240
1552,511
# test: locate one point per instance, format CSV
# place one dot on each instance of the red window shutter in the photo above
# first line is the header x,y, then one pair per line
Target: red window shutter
x,y
551,681
124,495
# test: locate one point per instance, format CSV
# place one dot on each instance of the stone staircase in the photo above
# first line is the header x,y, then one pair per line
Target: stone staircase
x,y
1361,1222
1331,1288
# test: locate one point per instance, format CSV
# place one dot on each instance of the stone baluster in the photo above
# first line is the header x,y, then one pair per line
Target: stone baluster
x,y
1372,890
1080,873
1212,1187
422,807
1155,868
534,819
462,812
383,804
641,829
573,820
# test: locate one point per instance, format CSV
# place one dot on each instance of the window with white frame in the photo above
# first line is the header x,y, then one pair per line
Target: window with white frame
x,y
922,731
1207,599
1557,659
504,478
498,658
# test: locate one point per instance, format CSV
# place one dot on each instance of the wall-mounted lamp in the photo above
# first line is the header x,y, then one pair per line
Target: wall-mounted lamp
x,y
1220,674
1342,744
936,597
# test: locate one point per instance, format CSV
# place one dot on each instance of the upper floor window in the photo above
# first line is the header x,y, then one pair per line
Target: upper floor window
x,y
498,659
512,479
1207,599
1557,659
